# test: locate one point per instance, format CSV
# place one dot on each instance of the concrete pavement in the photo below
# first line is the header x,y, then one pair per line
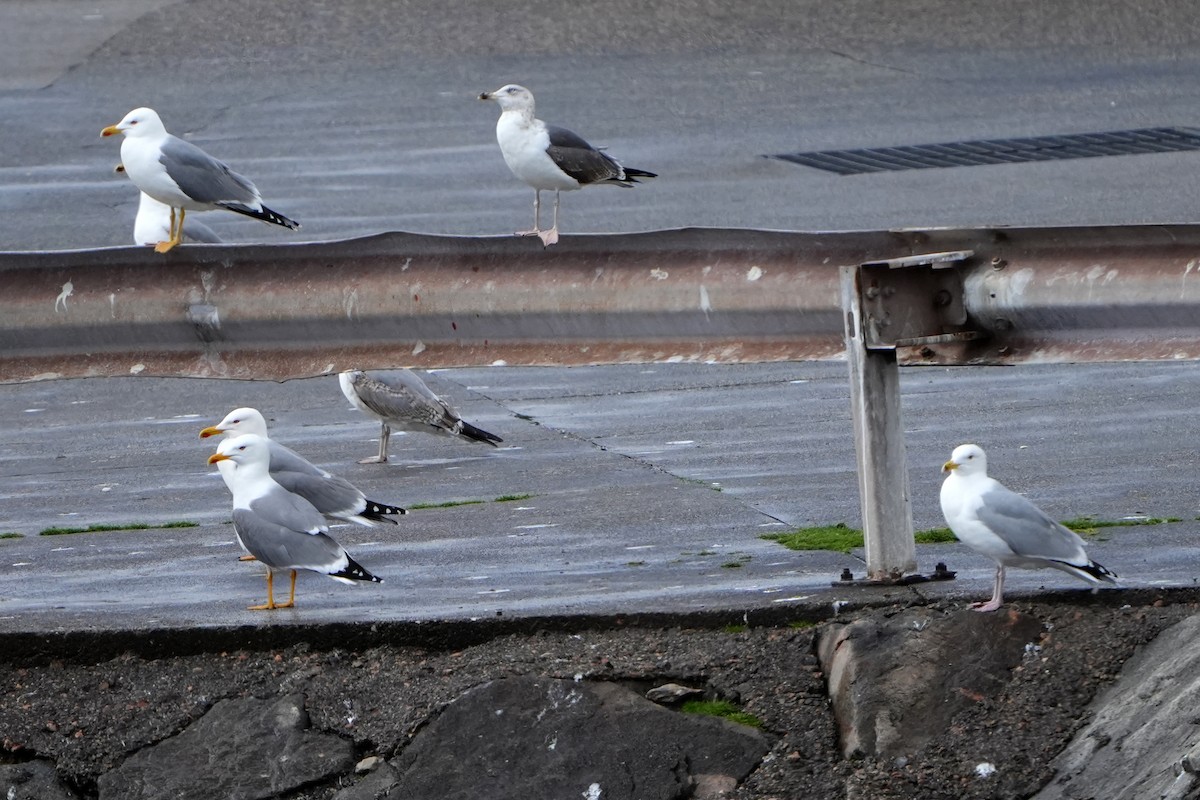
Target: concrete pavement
x,y
641,489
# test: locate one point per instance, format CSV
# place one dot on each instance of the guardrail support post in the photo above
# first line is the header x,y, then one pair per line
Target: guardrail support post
x,y
879,444
903,302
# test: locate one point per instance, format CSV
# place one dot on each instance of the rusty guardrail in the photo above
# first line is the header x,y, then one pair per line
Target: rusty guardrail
x,y
696,294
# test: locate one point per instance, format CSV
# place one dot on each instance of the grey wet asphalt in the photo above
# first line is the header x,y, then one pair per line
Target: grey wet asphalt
x,y
361,117
642,488
648,486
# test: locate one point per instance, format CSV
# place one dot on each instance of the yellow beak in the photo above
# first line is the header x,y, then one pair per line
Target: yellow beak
x,y
215,457
207,432
111,130
949,465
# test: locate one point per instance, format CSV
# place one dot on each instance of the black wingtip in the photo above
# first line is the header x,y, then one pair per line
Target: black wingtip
x,y
355,571
479,434
379,509
632,174
265,214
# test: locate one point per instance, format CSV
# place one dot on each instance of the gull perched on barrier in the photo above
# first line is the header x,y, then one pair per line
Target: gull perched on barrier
x,y
1006,527
332,496
548,157
402,401
279,528
182,176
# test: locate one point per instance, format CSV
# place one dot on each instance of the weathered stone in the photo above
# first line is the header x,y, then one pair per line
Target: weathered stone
x,y
368,764
520,738
373,786
671,693
1142,741
895,682
240,750
32,780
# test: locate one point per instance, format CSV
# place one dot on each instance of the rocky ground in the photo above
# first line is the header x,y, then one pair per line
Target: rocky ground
x,y
89,716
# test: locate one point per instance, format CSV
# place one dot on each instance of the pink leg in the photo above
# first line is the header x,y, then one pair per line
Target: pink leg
x,y
537,216
997,593
551,236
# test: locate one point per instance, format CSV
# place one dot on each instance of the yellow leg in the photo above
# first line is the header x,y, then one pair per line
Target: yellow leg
x,y
247,557
176,233
292,595
270,604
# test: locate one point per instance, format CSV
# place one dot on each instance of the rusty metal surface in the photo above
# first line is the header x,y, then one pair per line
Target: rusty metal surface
x,y
279,312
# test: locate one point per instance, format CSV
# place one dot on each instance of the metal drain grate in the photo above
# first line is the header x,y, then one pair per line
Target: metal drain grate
x,y
999,151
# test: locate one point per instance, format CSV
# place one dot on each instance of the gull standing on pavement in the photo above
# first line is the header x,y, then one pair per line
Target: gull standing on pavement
x,y
332,496
281,529
403,401
1006,527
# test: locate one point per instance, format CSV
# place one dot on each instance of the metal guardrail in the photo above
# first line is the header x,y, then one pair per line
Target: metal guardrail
x,y
883,298
280,312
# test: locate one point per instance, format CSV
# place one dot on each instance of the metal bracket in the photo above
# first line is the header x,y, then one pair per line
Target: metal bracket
x,y
914,301
940,573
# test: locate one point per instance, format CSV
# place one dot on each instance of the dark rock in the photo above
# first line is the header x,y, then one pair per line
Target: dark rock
x,y
32,780
240,750
522,738
895,682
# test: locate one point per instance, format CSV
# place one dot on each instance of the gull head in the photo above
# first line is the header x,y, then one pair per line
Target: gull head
x,y
141,122
966,460
238,421
511,98
248,451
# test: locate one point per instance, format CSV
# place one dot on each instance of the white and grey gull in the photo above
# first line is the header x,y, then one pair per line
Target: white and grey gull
x,y
402,401
279,528
1006,527
331,495
182,176
548,157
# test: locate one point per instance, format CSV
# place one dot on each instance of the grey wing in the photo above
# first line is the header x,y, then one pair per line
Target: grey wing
x,y
285,459
404,399
1026,528
329,495
281,547
579,159
204,178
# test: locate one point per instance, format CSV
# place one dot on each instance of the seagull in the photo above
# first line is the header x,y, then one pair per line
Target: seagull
x,y
1006,527
153,222
333,496
404,402
277,527
548,157
182,176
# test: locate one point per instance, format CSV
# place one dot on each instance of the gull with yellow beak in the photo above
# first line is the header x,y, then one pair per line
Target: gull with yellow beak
x,y
333,496
281,529
182,176
1006,527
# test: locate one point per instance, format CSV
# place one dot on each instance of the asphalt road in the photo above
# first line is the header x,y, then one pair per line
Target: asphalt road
x,y
361,117
648,486
642,488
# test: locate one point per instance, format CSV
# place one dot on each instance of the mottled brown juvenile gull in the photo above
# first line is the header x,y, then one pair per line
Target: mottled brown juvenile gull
x,y
182,176
332,496
1006,527
281,529
548,157
403,401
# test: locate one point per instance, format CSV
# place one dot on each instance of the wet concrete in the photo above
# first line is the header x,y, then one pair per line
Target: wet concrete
x,y
361,117
643,489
